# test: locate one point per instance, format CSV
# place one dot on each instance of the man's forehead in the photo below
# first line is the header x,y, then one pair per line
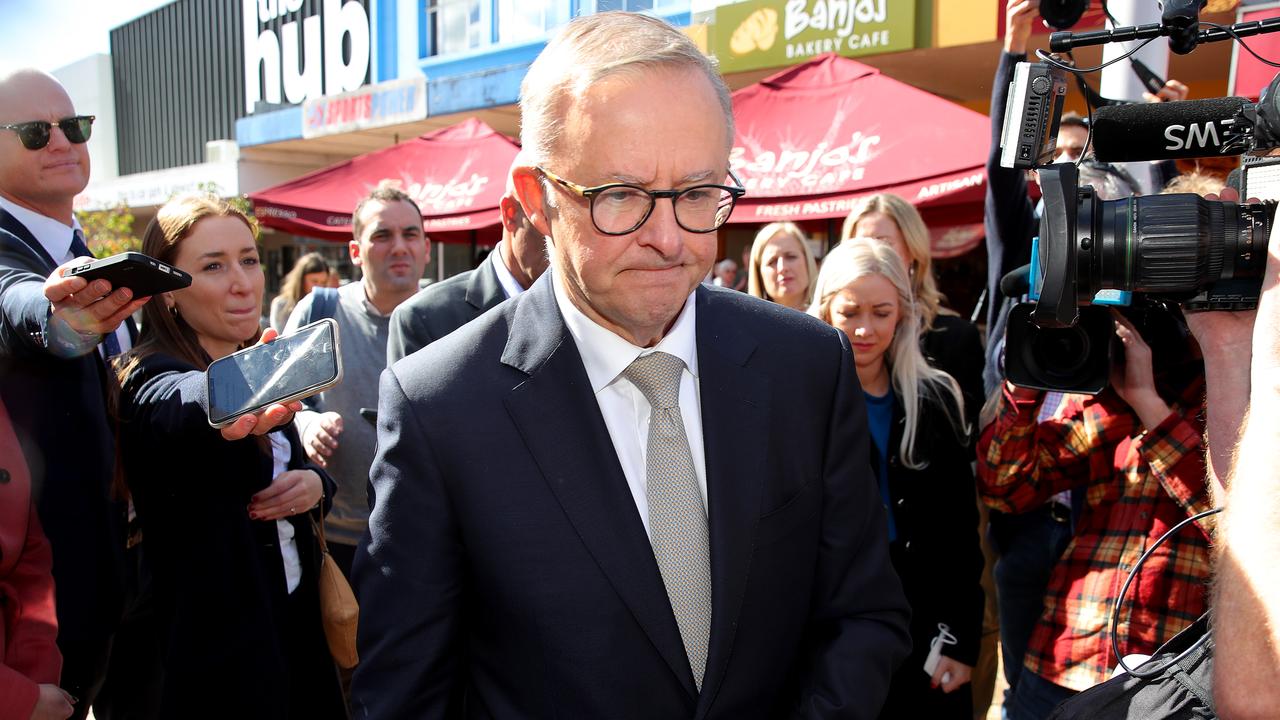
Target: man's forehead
x,y
384,213
634,138
29,95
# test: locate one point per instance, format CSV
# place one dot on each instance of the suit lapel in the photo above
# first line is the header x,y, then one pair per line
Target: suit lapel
x,y
559,419
20,231
483,289
735,408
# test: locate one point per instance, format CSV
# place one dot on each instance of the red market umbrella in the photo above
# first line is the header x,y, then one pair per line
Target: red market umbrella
x,y
456,174
814,138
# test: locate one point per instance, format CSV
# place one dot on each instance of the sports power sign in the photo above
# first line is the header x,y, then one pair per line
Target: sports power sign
x,y
775,33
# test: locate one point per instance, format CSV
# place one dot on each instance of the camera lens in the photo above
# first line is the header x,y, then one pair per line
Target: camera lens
x,y
1062,14
1059,352
1172,246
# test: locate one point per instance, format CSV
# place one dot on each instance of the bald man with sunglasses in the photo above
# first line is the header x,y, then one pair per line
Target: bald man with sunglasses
x,y
56,337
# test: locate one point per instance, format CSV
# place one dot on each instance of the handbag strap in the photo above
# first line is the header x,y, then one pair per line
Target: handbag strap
x,y
318,529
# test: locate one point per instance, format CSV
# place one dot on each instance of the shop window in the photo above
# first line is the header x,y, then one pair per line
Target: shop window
x,y
632,5
520,20
458,25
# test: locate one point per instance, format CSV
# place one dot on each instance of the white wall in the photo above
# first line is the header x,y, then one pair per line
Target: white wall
x,y
89,83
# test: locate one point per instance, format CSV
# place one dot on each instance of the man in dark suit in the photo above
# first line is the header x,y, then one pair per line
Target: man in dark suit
x,y
625,494
55,334
518,260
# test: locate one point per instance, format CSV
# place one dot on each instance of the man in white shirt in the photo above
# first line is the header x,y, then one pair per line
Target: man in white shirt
x,y
55,334
624,493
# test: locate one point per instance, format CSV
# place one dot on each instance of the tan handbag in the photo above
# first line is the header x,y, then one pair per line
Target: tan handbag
x,y
339,611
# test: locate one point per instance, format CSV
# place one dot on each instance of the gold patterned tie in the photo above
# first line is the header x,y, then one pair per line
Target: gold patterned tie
x,y
677,521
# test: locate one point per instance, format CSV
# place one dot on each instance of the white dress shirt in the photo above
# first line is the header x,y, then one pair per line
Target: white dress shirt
x,y
284,529
55,238
510,287
625,409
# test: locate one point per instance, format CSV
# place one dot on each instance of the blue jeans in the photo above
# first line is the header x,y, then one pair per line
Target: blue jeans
x,y
1035,698
1028,547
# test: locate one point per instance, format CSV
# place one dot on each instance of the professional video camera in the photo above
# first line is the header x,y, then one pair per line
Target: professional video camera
x,y
1093,253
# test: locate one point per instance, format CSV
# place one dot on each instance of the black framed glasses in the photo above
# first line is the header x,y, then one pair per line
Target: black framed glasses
x,y
620,208
35,134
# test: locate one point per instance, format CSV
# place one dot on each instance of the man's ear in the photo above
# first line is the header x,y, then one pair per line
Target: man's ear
x,y
530,191
510,210
353,249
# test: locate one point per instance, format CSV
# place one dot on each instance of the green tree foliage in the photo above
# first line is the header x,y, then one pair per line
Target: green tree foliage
x,y
109,231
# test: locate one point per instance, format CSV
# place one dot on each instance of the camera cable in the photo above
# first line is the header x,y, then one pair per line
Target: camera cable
x,y
1142,672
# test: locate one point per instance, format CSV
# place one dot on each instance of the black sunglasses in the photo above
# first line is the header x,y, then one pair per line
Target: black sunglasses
x,y
35,134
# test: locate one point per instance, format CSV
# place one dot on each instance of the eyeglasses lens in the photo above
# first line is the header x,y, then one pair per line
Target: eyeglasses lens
x,y
35,135
620,210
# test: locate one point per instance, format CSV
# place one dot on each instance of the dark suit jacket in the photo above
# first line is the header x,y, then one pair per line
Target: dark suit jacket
x,y
507,573
442,308
57,401
221,604
937,553
954,346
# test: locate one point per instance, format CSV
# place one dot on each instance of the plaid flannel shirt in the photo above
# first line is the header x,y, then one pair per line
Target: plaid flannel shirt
x,y
1138,484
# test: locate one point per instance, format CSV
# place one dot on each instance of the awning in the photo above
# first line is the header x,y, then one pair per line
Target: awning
x,y
815,138
457,175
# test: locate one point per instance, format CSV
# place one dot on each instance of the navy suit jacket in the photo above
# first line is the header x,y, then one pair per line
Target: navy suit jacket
x,y
507,573
59,410
442,308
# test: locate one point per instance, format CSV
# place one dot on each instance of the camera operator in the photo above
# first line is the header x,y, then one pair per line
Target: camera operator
x,y
1133,454
1242,364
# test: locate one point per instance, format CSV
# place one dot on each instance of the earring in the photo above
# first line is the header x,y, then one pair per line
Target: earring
x,y
173,310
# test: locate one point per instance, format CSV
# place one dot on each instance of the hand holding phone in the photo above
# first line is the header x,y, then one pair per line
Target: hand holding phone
x,y
273,372
266,420
88,307
142,274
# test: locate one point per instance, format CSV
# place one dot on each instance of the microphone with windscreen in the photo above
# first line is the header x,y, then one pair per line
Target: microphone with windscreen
x,y
1173,130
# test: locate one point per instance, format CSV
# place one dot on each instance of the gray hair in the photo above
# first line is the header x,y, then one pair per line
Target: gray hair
x,y
591,48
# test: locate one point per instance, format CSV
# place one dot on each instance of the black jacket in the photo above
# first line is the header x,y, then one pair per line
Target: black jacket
x,y
1009,221
507,565
937,552
218,576
954,346
442,308
57,399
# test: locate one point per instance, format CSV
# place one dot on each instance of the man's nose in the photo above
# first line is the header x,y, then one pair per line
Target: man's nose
x,y
661,231
57,139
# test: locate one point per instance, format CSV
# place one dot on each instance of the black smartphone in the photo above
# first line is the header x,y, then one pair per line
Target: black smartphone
x,y
370,415
142,274
288,368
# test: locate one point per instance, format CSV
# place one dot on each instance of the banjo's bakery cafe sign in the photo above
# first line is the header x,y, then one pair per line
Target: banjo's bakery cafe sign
x,y
775,33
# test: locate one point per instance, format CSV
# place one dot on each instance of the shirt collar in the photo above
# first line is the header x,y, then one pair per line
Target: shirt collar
x,y
52,235
356,290
605,354
510,286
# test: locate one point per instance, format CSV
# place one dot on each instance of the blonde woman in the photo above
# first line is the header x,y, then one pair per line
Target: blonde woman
x,y
782,268
921,458
950,343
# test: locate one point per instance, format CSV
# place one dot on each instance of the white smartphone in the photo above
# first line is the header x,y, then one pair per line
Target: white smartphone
x,y
289,368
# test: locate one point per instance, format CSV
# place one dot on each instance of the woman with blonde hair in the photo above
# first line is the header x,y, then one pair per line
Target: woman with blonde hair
x,y
782,267
227,517
309,272
922,460
950,342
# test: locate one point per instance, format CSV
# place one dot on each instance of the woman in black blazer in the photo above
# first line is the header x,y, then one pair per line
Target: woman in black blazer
x,y
922,461
228,524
